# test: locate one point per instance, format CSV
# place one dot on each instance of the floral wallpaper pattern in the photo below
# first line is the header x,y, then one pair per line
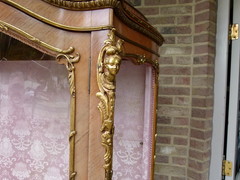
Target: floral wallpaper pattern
x,y
34,121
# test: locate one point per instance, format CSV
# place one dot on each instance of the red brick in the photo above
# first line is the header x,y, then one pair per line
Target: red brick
x,y
160,2
184,39
163,120
200,166
176,10
163,140
205,5
149,11
182,80
205,16
174,111
171,150
161,20
166,81
204,38
200,145
198,134
199,155
202,113
162,177
173,170
185,1
181,121
183,60
184,20
135,2
165,100
203,70
168,130
204,91
162,159
170,51
182,101
202,81
202,102
178,178
201,49
205,27
166,60
180,141
203,59
172,70
174,91
176,30
201,124
196,175
169,40
179,160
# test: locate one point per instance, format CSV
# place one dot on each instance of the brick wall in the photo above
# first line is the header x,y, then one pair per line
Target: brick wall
x,y
186,85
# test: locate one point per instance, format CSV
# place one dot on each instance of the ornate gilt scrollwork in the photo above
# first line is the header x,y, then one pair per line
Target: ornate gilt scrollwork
x,y
142,59
3,27
68,61
8,27
109,61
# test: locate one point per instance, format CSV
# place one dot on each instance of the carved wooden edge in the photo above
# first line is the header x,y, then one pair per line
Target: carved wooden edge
x,y
123,10
109,61
69,61
126,14
83,4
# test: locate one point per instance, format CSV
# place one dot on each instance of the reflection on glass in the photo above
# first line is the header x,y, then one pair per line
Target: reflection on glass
x,y
12,49
34,120
132,144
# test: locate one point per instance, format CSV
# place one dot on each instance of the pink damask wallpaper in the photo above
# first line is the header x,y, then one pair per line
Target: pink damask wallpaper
x,y
133,123
34,121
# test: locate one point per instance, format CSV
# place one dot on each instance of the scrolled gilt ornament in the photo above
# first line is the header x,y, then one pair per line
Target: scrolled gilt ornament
x,y
142,59
109,61
3,27
68,61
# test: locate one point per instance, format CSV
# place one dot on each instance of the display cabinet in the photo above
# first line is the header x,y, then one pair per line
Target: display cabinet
x,y
78,90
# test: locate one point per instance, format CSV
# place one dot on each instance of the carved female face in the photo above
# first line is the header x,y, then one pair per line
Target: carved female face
x,y
112,64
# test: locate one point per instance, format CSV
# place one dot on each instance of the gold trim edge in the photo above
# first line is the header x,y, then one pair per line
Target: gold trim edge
x,y
53,23
141,59
109,61
69,61
6,27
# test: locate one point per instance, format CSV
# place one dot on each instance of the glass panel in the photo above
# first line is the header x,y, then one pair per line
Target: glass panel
x,y
132,147
34,115
12,49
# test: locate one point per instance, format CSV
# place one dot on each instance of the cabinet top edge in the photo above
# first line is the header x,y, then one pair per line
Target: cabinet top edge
x,y
123,10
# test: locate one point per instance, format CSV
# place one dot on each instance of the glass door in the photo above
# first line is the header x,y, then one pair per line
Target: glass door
x,y
34,114
134,124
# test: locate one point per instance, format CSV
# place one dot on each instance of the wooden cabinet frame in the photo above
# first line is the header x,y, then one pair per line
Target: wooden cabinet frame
x,y
91,39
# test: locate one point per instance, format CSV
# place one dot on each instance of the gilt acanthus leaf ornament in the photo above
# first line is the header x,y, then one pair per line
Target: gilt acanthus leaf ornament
x,y
109,61
68,61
